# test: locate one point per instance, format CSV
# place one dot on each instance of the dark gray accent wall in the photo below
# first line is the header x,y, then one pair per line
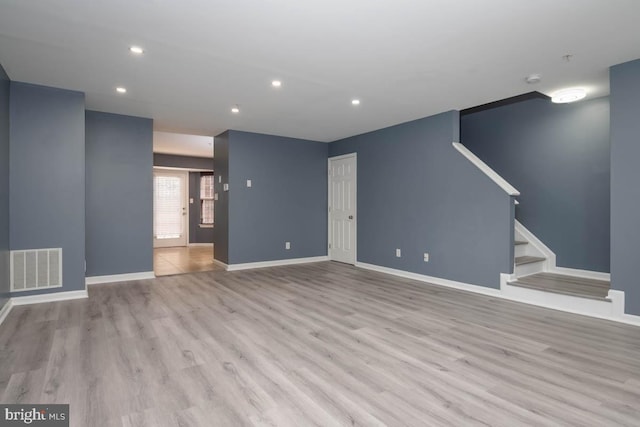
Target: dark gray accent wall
x,y
625,181
287,200
186,162
557,156
47,176
419,194
221,206
4,187
119,194
197,234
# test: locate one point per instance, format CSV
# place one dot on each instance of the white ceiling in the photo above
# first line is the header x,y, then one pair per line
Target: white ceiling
x,y
183,145
404,59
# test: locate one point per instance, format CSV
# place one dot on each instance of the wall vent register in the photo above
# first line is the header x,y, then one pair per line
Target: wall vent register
x,y
36,269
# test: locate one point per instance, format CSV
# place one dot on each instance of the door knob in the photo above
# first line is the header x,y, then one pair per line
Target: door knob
x,y
350,216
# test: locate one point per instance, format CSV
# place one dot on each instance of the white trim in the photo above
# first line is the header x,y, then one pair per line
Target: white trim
x,y
493,175
50,297
355,213
5,310
113,278
276,263
610,310
430,279
201,244
170,168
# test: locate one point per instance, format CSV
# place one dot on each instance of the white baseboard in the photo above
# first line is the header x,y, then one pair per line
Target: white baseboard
x,y
430,279
587,274
50,297
113,278
200,244
5,310
613,310
276,263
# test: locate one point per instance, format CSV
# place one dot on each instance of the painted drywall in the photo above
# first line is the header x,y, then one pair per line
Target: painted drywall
x,y
119,194
557,156
625,177
417,193
287,201
197,234
221,206
4,187
47,176
185,162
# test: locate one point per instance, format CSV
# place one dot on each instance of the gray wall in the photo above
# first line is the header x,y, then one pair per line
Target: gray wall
x,y
47,176
417,193
197,234
221,206
287,202
119,194
4,187
186,162
625,181
557,156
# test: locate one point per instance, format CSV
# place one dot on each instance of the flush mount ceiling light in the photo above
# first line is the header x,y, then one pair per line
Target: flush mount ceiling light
x,y
568,95
121,89
235,109
276,83
136,49
355,102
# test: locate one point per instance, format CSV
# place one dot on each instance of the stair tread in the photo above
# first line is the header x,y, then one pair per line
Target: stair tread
x,y
520,242
566,285
527,259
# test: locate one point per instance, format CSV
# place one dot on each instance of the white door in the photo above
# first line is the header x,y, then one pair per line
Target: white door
x,y
342,208
170,226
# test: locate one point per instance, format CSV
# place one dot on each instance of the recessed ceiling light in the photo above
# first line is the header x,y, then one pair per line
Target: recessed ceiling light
x,y
121,89
355,101
235,110
276,83
568,95
533,79
137,50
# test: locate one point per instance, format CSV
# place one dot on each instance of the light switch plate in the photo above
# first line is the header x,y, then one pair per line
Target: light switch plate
x,y
398,253
225,187
191,200
287,245
219,179
215,196
249,183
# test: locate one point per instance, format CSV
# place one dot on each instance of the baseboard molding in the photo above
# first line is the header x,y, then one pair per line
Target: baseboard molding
x,y
5,310
220,264
587,274
430,279
200,244
113,278
613,310
50,297
276,263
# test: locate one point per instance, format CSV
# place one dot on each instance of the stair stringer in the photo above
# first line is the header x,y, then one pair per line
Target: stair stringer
x,y
537,245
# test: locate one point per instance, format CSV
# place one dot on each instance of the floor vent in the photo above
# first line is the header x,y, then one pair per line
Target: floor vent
x,y
36,269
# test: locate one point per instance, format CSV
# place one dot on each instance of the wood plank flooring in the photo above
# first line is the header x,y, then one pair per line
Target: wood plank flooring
x,y
183,259
567,285
321,344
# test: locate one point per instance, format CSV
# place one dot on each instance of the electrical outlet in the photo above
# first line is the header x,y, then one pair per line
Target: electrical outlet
x,y
426,257
219,179
248,183
398,253
287,245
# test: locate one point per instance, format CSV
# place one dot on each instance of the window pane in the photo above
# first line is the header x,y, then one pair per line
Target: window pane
x,y
206,212
206,187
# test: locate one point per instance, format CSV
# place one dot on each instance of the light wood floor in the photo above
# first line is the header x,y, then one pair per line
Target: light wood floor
x,y
183,259
316,345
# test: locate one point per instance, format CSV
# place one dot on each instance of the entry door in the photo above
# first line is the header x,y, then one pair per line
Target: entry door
x,y
342,208
169,209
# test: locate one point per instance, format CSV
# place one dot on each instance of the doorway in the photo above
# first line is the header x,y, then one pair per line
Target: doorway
x,y
170,214
342,208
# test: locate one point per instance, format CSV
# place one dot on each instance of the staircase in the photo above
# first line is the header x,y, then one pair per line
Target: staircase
x,y
533,271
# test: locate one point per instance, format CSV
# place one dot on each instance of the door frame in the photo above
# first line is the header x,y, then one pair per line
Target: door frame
x,y
180,171
354,155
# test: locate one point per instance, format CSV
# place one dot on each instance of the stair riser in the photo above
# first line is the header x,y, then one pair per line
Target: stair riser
x,y
531,268
520,250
